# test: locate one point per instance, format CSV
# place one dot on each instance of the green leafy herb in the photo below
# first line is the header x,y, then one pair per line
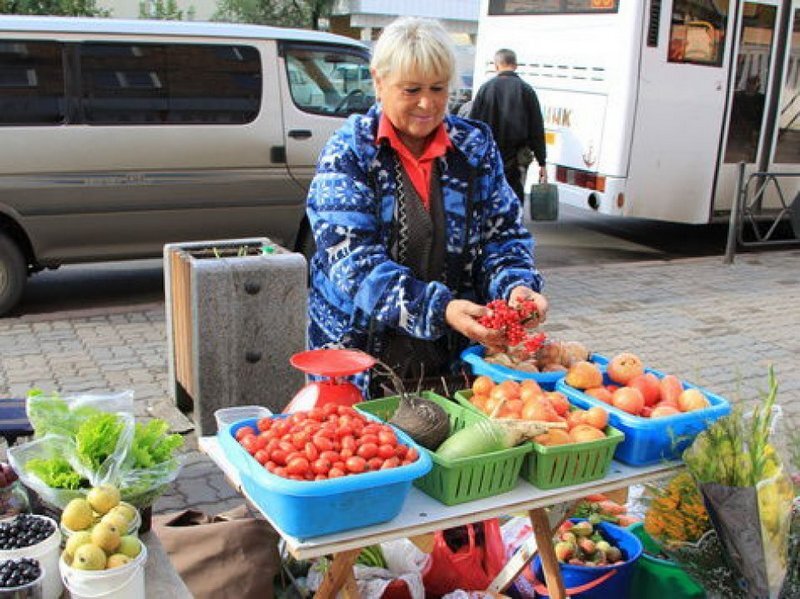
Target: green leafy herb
x,y
152,445
97,438
56,473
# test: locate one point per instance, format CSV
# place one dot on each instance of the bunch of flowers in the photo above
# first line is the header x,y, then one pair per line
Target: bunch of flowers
x,y
512,321
676,513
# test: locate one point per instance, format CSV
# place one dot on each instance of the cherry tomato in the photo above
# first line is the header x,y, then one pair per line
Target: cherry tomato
x,y
261,456
331,456
387,437
412,455
348,442
280,471
356,464
400,451
322,443
264,424
298,465
336,473
321,466
346,453
321,477
243,432
329,408
249,443
367,450
299,440
286,446
391,463
279,457
386,451
368,438
311,451
316,414
375,463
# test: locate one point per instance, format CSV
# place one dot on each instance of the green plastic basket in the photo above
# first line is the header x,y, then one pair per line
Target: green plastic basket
x,y
465,479
551,467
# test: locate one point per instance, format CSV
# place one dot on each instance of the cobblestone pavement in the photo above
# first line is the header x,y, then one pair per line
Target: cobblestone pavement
x,y
715,325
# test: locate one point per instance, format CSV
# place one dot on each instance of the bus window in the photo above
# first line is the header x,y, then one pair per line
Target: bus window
x,y
697,31
551,7
787,150
31,83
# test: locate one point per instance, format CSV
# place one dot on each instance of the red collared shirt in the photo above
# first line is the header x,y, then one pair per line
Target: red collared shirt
x,y
419,169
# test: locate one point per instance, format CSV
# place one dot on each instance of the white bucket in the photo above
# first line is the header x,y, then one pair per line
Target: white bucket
x,y
32,590
124,582
47,553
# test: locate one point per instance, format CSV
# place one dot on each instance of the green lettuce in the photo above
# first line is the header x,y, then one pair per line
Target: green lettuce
x,y
56,473
152,445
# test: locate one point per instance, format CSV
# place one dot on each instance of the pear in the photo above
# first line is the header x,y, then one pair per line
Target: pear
x,y
103,498
130,546
75,540
116,560
66,557
119,522
125,510
106,536
77,515
89,557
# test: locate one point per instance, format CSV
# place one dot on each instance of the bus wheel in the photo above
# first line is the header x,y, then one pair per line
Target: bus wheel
x,y
13,274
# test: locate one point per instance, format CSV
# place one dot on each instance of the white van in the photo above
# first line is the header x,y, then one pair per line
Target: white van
x,y
117,137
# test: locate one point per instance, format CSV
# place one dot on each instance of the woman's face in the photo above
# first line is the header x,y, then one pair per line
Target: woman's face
x,y
415,105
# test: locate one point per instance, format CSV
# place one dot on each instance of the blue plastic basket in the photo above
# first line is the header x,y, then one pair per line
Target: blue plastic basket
x,y
312,508
610,581
651,440
473,356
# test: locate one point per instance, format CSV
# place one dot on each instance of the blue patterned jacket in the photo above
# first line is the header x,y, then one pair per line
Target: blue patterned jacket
x,y
357,290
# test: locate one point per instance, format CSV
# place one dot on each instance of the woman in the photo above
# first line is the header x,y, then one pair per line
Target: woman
x,y
415,225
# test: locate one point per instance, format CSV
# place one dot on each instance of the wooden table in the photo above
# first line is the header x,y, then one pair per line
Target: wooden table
x,y
422,514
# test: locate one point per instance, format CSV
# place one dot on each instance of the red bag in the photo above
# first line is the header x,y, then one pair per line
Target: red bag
x,y
471,568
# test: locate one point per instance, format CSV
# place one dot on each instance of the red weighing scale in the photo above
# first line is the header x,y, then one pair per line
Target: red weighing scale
x,y
334,364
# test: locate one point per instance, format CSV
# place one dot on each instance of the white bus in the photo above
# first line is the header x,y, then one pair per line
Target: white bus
x,y
651,104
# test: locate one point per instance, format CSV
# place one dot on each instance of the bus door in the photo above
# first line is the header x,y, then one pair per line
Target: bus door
x,y
680,108
752,85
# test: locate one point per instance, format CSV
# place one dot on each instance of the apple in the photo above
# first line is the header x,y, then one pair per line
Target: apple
x,y
625,366
671,388
649,385
664,410
692,399
628,399
584,375
600,393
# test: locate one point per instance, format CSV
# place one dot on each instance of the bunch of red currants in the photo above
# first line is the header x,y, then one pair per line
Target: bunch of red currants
x,y
511,322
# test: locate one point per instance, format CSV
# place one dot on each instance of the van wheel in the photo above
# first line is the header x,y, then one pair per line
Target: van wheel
x,y
13,274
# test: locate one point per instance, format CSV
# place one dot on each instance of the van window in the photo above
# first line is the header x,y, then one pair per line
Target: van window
x,y
31,83
329,81
128,84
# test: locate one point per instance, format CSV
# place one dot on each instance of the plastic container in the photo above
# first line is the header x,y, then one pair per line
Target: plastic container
x,y
551,467
457,481
656,578
652,440
32,590
124,582
227,416
133,527
599,582
311,508
47,554
547,380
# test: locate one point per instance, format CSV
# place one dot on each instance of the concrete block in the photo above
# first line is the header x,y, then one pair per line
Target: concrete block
x,y
247,318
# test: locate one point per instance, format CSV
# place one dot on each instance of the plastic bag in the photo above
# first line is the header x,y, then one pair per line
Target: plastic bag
x,y
84,441
471,567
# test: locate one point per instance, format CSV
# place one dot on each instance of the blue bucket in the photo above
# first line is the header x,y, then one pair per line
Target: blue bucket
x,y
597,582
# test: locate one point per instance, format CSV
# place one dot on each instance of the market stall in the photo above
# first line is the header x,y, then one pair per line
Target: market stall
x,y
422,514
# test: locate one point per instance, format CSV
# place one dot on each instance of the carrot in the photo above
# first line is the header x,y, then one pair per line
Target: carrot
x,y
611,507
627,520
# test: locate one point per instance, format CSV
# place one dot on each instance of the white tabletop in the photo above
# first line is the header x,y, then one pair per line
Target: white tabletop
x,y
422,514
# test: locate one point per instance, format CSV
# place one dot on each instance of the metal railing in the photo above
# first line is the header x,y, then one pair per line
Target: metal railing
x,y
748,212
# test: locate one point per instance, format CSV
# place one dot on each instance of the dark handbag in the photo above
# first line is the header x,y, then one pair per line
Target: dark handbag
x,y
544,201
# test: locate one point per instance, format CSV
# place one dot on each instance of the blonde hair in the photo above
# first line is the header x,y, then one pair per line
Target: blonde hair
x,y
414,45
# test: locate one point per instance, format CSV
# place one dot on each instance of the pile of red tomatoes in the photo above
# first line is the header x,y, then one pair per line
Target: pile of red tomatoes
x,y
323,443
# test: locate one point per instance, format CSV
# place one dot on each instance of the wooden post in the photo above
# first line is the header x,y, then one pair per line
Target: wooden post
x,y
340,574
544,541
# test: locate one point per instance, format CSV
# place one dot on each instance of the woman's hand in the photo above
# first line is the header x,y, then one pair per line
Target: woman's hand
x,y
462,316
520,294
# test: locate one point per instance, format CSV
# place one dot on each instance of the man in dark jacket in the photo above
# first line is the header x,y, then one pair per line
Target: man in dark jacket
x,y
510,107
